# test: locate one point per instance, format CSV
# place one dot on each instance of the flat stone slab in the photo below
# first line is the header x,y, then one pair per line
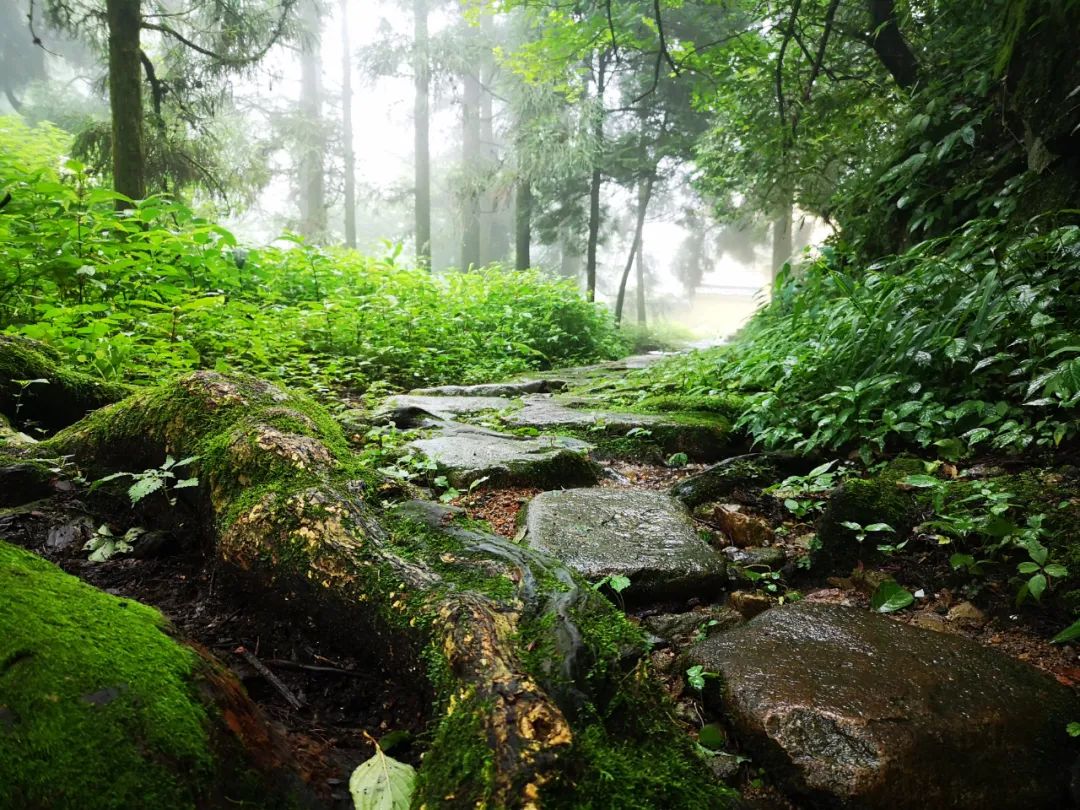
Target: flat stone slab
x,y
702,438
464,455
507,389
852,709
545,412
635,533
445,407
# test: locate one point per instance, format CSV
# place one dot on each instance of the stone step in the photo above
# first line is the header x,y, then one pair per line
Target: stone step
x,y
642,535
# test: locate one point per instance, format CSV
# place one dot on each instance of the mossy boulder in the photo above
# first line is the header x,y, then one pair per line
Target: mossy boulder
x,y
865,501
35,385
101,708
738,474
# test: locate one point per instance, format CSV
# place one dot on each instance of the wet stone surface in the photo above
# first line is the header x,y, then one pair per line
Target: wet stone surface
x,y
464,455
443,407
507,389
642,535
845,705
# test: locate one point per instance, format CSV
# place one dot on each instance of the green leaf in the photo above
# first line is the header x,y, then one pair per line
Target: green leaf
x,y
1068,634
382,783
712,736
850,524
1027,567
890,597
618,583
144,486
1037,586
695,676
1073,729
185,483
1056,570
880,527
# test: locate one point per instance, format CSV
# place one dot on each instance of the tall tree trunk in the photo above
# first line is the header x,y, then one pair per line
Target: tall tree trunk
x,y
595,182
889,44
644,195
471,168
312,165
781,235
522,224
641,281
347,127
125,98
422,153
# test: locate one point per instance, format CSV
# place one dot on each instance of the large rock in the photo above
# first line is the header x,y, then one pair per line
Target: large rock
x,y
841,704
439,406
507,389
737,476
703,437
642,535
464,454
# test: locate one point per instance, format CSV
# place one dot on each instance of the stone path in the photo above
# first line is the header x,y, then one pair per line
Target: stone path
x,y
841,705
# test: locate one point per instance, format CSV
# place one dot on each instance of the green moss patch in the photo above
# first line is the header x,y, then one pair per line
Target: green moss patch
x,y
98,708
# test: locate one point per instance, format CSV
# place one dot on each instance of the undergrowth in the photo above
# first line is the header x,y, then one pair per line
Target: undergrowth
x,y
156,289
961,344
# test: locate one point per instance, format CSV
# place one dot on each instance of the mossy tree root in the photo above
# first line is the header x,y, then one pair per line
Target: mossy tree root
x,y
34,382
495,624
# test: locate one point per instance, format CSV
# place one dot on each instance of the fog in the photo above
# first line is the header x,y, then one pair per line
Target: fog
x,y
733,262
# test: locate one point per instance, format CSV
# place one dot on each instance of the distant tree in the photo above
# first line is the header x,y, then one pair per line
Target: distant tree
x,y
198,47
421,130
312,147
348,153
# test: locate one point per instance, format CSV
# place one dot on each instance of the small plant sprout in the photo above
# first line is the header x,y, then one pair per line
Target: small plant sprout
x,y
862,532
1040,571
696,675
158,478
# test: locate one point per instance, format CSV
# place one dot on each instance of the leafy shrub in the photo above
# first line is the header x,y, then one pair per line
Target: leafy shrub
x,y
961,343
155,289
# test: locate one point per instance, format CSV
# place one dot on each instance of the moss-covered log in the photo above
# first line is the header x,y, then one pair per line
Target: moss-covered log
x,y
542,693
35,386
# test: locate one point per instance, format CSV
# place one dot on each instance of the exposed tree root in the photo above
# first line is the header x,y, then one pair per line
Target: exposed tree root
x,y
542,694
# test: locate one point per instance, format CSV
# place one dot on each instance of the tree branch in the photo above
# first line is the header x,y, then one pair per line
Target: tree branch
x,y
889,44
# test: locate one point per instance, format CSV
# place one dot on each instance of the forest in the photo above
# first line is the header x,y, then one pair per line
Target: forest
x,y
539,404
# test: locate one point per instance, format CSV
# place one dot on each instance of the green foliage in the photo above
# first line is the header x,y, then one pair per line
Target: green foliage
x,y
382,783
965,343
157,478
890,597
139,294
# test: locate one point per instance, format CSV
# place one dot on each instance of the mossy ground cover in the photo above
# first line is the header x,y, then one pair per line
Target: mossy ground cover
x,y
99,707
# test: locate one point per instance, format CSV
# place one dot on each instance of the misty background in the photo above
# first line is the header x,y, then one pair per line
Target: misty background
x,y
281,122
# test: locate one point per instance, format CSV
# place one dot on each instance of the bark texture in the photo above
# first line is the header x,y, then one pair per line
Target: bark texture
x,y
125,98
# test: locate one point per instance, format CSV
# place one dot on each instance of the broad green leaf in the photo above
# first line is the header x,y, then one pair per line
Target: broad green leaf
x,y
1056,570
1068,634
1037,586
382,783
880,527
1027,568
890,597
